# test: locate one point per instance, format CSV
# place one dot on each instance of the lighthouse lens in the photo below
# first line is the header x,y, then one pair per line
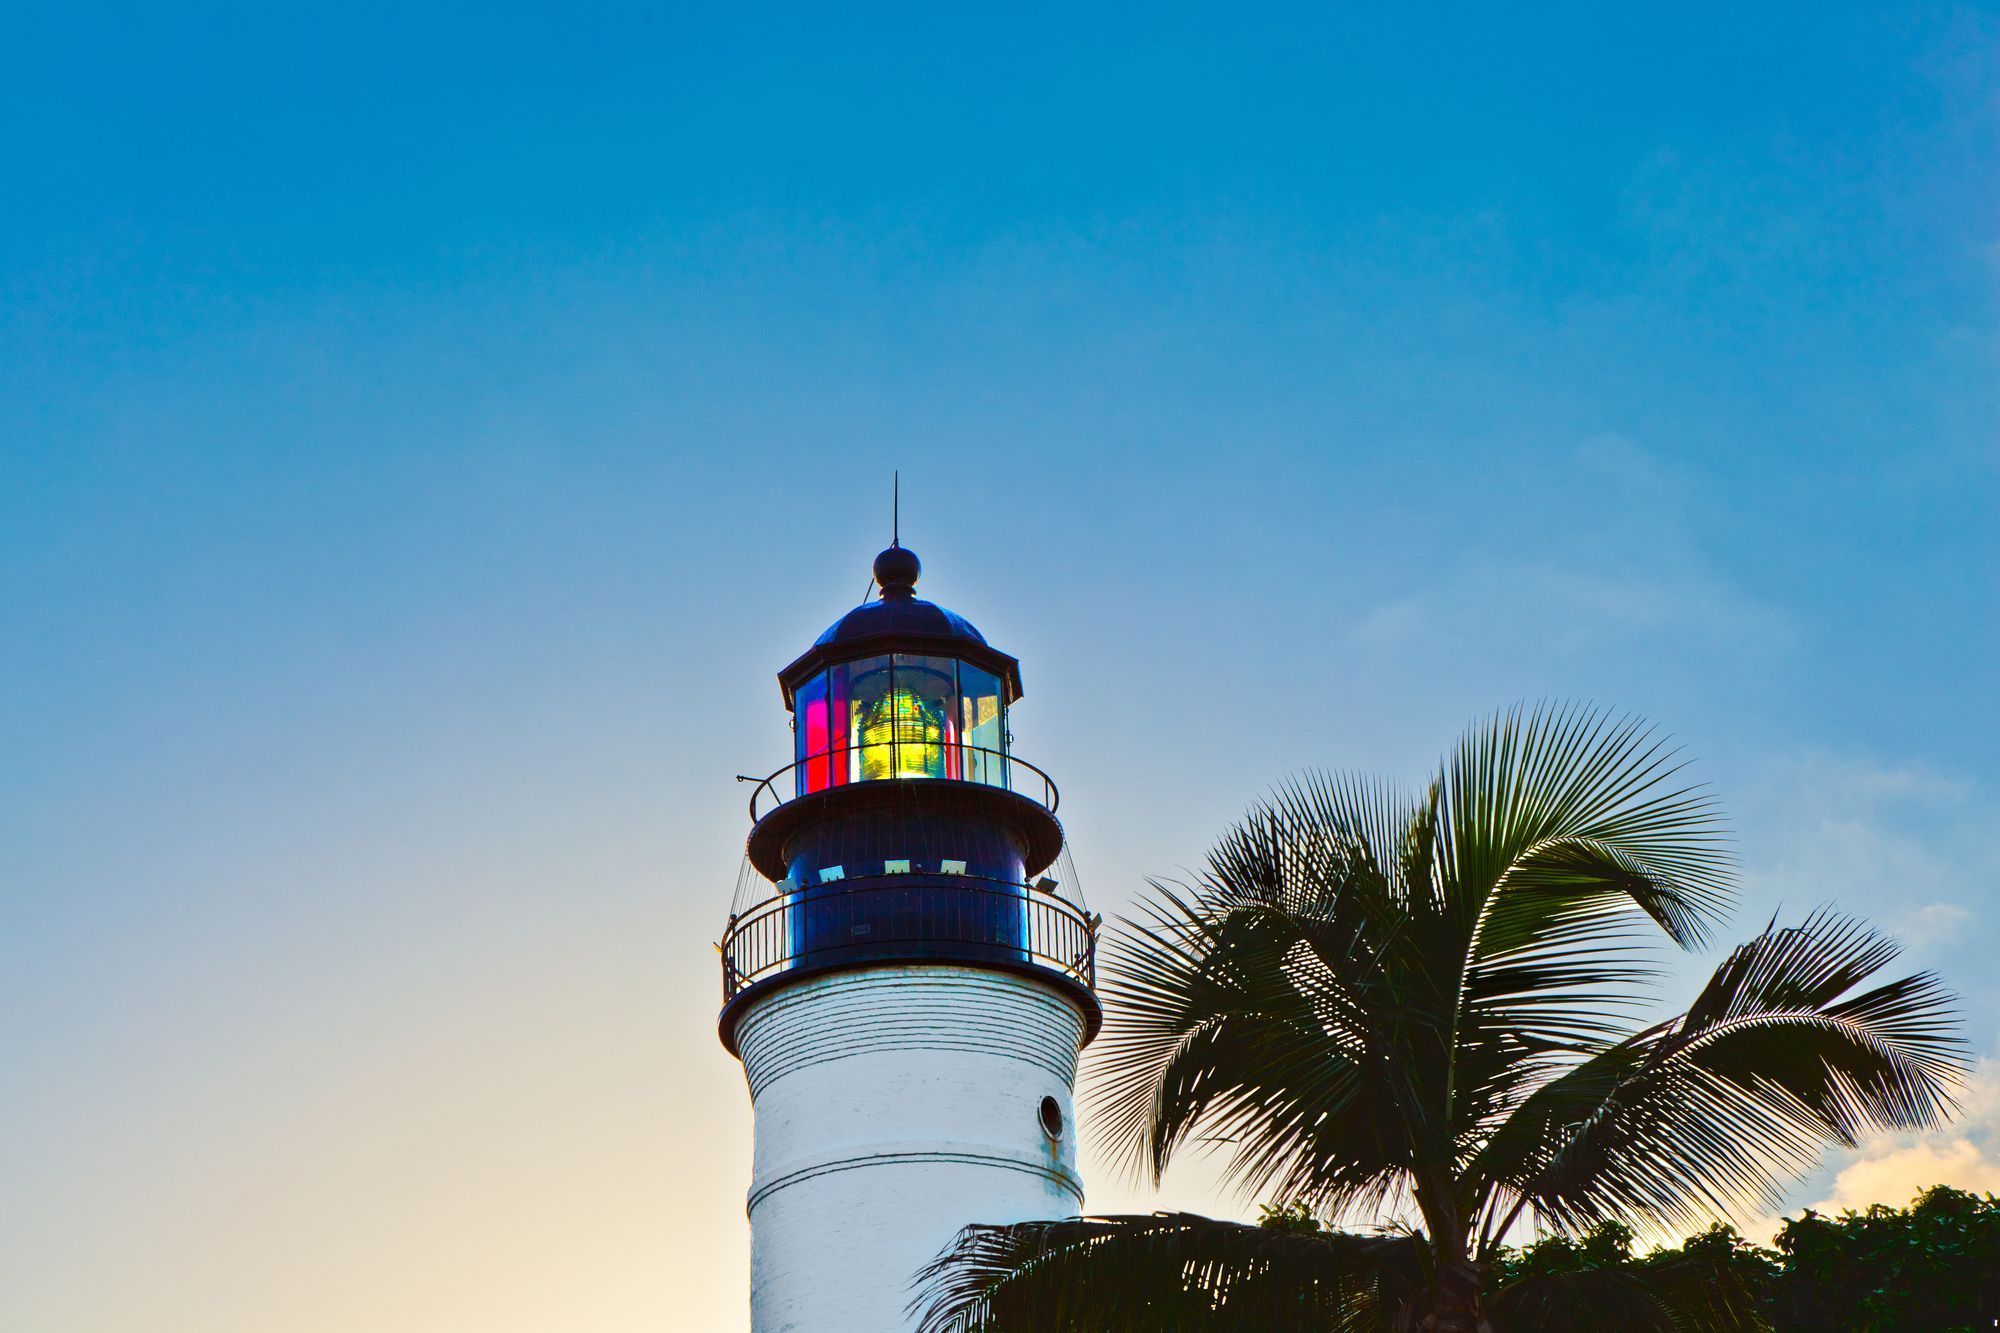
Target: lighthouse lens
x,y
902,717
902,736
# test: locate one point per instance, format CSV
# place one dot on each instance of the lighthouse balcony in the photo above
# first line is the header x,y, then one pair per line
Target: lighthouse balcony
x,y
909,913
906,916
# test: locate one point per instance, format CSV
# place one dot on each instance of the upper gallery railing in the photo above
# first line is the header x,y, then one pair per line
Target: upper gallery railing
x,y
957,763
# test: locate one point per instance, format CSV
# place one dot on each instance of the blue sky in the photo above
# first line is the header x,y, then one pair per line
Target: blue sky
x,y
423,433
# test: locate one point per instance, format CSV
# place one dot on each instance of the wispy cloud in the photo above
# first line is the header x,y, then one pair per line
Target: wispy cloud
x,y
1898,842
1927,927
1896,1175
1907,846
1620,568
1505,603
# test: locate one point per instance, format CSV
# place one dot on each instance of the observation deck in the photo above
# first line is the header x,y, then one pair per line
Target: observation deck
x,y
989,905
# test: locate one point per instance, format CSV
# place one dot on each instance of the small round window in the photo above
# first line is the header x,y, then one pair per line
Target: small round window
x,y
1052,1117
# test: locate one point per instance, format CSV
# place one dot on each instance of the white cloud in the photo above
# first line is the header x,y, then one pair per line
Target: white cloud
x,y
1925,928
1898,1175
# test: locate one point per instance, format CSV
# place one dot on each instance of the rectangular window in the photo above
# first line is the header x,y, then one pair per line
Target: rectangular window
x,y
982,725
926,721
867,719
815,736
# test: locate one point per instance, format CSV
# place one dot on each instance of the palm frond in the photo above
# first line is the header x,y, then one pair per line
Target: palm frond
x,y
1164,1273
1777,1059
1246,1022
1566,850
1570,807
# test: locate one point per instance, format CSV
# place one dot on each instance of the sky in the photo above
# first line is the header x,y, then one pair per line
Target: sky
x,y
424,431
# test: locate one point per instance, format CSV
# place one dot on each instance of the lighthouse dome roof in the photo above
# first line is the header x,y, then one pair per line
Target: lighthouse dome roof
x,y
902,616
901,621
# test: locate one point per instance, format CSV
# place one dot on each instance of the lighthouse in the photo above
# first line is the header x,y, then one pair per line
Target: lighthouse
x,y
907,970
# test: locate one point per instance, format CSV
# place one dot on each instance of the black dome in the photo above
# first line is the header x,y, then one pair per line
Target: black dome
x,y
906,615
900,621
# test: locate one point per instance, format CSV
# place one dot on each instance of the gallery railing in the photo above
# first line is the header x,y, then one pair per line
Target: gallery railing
x,y
978,920
937,762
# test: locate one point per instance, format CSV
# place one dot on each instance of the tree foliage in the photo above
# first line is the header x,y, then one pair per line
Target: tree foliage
x,y
1932,1266
1715,1281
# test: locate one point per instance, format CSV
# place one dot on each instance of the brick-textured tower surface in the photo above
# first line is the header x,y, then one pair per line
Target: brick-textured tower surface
x,y
906,974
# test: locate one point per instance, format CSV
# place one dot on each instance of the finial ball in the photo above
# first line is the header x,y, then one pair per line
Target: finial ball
x,y
896,569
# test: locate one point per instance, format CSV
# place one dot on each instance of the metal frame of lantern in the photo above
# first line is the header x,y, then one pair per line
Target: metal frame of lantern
x,y
933,713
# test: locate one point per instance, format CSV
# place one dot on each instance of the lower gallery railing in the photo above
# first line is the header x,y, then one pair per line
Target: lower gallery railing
x,y
856,921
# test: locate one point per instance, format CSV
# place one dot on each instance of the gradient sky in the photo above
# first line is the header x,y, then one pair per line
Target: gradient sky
x,y
424,431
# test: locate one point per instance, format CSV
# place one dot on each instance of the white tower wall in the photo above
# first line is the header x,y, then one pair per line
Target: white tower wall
x,y
894,1105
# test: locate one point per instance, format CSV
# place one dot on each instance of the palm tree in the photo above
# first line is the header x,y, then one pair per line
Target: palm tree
x,y
1424,1007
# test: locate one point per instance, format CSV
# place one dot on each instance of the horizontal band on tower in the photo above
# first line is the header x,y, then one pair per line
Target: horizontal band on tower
x,y
895,1154
908,1008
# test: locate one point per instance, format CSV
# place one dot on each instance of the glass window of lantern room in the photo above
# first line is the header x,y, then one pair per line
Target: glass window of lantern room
x,y
813,738
982,725
863,701
927,717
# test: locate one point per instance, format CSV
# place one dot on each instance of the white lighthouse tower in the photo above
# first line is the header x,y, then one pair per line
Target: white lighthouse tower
x,y
906,978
